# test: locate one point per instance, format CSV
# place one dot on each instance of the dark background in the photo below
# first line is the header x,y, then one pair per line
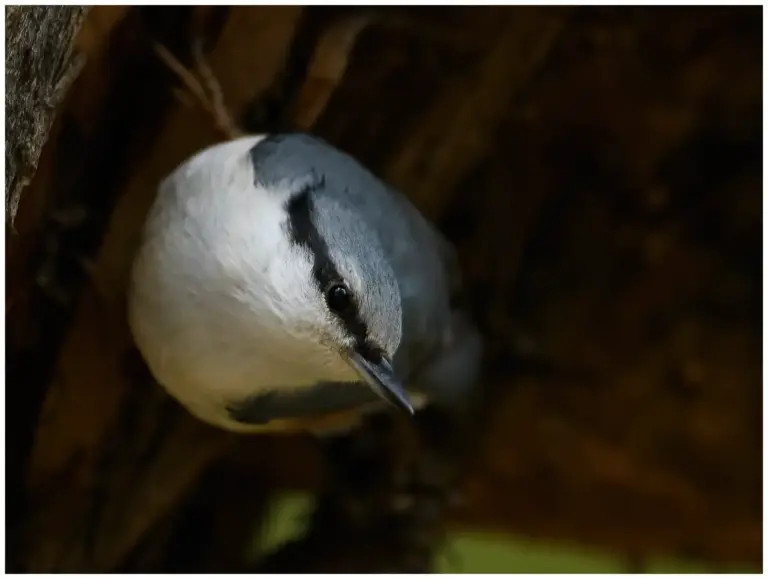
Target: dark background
x,y
599,170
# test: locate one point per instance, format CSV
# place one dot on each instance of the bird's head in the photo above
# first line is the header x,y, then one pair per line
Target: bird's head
x,y
318,281
353,301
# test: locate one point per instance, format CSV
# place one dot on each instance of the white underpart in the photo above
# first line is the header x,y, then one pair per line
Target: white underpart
x,y
222,304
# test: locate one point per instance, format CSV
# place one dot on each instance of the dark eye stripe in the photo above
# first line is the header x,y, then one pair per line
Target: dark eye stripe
x,y
303,232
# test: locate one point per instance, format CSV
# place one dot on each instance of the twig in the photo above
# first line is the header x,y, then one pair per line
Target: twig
x,y
190,82
219,109
204,89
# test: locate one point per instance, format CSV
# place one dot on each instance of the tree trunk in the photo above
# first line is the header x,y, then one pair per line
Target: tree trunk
x,y
39,69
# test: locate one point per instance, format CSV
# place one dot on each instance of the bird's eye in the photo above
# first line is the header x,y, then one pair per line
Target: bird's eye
x,y
339,298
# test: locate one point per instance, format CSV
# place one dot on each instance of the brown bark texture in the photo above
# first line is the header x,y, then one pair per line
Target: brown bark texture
x,y
599,171
39,69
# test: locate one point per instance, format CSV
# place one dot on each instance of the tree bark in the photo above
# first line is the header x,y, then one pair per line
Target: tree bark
x,y
39,69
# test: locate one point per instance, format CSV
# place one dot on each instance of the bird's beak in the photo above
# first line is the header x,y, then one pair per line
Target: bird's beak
x,y
381,378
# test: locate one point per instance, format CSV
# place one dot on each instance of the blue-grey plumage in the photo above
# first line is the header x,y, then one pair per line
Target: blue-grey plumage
x,y
353,205
340,222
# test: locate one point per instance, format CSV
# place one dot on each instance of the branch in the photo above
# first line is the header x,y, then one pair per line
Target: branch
x,y
327,67
39,69
385,506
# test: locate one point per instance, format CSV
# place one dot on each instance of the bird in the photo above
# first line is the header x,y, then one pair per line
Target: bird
x,y
281,286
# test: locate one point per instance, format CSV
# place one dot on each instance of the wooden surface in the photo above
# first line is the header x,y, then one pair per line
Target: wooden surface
x,y
599,170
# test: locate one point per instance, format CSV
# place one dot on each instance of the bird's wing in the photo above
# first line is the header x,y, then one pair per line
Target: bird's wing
x,y
445,345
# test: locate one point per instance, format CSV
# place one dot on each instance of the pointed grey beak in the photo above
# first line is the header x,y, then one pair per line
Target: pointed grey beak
x,y
381,378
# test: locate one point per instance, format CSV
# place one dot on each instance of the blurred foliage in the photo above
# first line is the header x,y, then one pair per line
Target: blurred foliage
x,y
468,552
